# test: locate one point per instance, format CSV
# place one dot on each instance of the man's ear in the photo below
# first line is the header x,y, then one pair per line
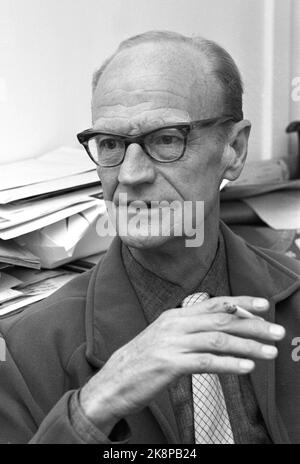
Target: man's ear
x,y
236,152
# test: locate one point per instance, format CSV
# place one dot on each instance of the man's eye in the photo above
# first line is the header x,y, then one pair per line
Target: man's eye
x,y
168,140
108,144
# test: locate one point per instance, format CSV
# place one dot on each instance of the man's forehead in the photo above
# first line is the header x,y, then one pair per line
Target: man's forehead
x,y
148,62
149,73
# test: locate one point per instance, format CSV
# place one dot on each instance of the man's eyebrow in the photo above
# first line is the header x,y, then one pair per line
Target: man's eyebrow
x,y
169,124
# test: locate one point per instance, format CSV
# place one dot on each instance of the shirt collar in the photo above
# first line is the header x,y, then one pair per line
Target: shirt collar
x,y
156,294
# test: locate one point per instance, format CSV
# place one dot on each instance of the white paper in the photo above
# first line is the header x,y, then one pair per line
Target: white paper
x,y
27,300
12,253
8,281
53,285
67,235
8,294
58,163
67,241
55,185
44,221
24,212
238,192
280,210
27,277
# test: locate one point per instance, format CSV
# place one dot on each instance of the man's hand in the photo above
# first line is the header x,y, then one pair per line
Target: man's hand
x,y
194,339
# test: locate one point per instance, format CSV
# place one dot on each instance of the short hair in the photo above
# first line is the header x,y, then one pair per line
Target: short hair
x,y
222,64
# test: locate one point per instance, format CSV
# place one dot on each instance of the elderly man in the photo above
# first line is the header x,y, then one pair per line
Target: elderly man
x,y
162,342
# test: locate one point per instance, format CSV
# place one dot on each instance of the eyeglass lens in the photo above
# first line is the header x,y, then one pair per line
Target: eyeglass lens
x,y
162,145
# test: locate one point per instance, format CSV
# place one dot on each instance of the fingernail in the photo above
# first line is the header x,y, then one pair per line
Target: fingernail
x,y
260,303
277,330
246,365
269,351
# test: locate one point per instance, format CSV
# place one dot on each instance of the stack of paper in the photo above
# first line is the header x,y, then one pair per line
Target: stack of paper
x,y
49,207
14,254
57,171
21,218
19,288
67,240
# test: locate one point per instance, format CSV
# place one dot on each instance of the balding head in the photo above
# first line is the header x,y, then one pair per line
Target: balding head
x,y
147,75
205,59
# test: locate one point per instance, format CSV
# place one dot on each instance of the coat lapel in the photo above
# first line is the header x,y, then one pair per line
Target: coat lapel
x,y
119,321
258,275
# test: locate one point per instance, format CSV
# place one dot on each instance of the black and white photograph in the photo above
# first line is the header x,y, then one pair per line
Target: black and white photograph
x,y
149,225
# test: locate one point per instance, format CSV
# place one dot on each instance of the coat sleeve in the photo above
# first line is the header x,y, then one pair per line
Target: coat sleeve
x,y
23,420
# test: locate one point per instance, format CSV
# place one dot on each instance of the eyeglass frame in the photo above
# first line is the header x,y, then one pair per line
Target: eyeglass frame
x,y
84,137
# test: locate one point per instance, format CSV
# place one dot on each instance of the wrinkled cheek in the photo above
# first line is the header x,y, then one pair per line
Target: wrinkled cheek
x,y
211,175
203,181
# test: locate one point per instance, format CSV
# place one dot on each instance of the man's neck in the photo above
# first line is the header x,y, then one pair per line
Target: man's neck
x,y
179,264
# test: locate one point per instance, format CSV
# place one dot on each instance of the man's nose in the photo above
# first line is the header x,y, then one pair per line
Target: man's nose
x,y
137,167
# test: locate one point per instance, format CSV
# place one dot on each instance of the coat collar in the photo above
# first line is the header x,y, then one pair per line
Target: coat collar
x,y
120,319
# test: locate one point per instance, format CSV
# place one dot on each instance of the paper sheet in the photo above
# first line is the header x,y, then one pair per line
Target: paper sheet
x,y
58,163
237,192
8,281
9,294
44,221
27,300
69,239
12,253
47,288
25,277
280,210
23,212
55,185
3,266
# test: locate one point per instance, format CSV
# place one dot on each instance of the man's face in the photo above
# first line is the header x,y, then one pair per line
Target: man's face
x,y
147,87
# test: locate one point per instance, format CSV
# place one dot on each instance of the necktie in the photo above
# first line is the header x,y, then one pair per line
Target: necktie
x,y
211,421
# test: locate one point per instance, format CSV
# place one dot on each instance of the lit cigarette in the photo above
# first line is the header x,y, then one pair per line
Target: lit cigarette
x,y
239,311
244,314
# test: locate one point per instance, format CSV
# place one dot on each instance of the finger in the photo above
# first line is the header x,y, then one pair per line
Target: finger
x,y
256,328
227,304
209,363
219,342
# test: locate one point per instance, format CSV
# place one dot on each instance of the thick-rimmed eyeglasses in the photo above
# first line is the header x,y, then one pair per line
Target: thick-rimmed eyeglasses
x,y
164,145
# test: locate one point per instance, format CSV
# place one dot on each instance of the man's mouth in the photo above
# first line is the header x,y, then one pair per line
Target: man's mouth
x,y
137,204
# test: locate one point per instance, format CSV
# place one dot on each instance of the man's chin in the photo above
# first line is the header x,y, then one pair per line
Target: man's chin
x,y
143,241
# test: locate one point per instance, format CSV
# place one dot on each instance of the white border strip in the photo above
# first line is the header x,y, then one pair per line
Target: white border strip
x,y
268,87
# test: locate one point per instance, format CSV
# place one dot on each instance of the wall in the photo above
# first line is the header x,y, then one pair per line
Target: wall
x,y
49,48
295,75
45,60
